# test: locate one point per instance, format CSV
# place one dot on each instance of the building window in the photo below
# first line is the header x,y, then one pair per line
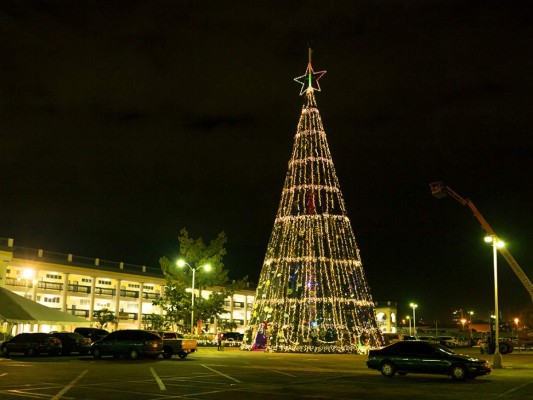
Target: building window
x,y
53,276
85,302
86,280
102,282
51,299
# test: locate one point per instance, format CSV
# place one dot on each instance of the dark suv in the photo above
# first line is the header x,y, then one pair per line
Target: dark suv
x,y
73,342
129,342
32,344
92,333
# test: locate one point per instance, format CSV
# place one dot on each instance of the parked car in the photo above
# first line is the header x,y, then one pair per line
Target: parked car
x,y
92,333
32,344
407,337
463,342
72,342
133,343
427,338
391,338
233,336
425,357
448,341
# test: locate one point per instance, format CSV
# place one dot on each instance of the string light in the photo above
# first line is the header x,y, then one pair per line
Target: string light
x,y
312,294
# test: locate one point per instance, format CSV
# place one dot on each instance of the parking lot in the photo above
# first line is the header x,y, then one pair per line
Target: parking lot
x,y
236,374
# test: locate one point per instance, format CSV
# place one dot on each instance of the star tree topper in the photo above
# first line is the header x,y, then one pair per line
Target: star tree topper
x,y
309,78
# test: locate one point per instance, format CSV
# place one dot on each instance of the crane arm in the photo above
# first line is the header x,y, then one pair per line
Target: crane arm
x,y
439,190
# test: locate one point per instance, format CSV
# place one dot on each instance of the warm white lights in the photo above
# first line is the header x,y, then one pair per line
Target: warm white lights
x,y
312,293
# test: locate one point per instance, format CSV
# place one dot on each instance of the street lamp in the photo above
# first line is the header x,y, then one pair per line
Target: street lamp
x,y
471,313
181,263
409,319
414,306
27,274
497,357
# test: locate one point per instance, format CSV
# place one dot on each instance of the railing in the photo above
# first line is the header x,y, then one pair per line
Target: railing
x,y
104,291
50,286
78,313
129,293
74,287
128,316
19,282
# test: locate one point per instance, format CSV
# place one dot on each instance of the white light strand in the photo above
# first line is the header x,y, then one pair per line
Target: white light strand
x,y
312,294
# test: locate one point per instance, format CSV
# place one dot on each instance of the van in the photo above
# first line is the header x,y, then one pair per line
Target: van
x,y
92,333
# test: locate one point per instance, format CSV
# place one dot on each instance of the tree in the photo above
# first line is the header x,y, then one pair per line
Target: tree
x,y
228,325
196,253
312,287
154,322
104,316
176,302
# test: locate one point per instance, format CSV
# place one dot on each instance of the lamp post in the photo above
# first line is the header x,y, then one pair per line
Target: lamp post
x,y
470,313
181,263
409,319
414,306
27,274
497,357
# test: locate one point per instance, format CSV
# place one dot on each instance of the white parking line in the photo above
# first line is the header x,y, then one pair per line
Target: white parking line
x,y
505,394
158,380
69,386
282,373
220,373
4,374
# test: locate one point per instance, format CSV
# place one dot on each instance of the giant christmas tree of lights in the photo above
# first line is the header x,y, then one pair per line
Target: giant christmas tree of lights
x,y
312,294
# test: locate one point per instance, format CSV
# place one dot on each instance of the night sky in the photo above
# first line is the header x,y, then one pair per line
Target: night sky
x,y
123,122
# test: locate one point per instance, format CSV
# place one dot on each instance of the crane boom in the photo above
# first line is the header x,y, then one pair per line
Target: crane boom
x,y
439,190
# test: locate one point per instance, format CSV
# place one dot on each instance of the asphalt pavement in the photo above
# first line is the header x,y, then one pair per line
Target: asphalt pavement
x,y
235,374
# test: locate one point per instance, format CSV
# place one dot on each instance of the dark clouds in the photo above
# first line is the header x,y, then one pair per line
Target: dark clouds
x,y
125,121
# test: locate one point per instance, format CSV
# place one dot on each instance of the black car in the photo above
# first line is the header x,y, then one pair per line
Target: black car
x,y
73,342
233,336
129,342
92,333
427,358
32,344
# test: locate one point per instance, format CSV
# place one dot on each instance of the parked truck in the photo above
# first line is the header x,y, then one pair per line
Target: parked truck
x,y
175,343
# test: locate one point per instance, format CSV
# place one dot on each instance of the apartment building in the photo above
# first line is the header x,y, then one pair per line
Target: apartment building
x,y
81,285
